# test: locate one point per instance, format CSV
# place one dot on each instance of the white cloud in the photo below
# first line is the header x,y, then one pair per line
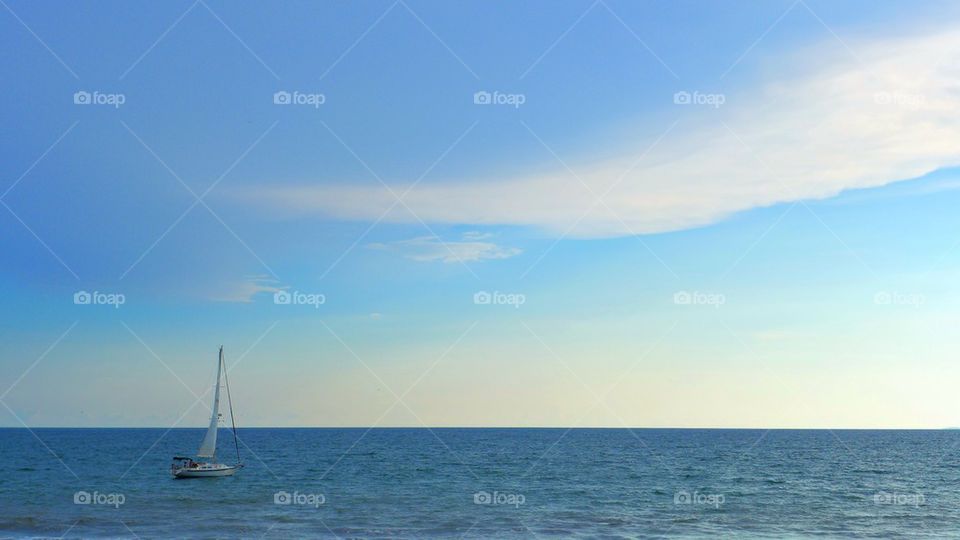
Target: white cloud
x,y
477,235
818,123
244,290
432,248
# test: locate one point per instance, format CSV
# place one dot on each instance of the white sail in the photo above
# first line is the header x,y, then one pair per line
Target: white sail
x,y
209,445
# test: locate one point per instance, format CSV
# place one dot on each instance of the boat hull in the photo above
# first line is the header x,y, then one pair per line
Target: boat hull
x,y
212,471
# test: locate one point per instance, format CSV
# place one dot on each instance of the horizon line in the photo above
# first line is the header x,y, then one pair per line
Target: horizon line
x,y
948,428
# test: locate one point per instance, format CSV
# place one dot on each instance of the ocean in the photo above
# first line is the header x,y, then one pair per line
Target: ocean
x,y
485,483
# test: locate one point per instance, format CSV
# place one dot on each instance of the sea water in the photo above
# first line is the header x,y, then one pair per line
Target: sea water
x,y
484,483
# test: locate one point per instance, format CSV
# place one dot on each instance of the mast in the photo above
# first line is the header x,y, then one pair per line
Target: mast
x,y
233,421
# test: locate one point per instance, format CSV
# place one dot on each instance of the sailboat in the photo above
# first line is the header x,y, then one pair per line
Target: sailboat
x,y
185,467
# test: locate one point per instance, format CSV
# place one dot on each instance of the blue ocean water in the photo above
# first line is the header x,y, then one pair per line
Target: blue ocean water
x,y
485,483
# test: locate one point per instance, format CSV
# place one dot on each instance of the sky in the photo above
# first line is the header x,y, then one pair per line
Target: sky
x,y
606,213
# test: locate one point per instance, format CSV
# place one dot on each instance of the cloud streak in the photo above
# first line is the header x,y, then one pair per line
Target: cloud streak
x,y
243,291
430,249
825,123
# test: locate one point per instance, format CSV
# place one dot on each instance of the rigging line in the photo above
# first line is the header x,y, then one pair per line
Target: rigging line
x,y
233,420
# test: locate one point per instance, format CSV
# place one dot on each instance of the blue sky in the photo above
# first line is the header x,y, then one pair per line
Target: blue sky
x,y
804,201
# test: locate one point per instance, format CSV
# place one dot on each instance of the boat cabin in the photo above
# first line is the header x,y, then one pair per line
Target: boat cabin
x,y
180,462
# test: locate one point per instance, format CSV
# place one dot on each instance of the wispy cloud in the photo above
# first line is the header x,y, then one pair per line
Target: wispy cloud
x,y
245,289
471,247
820,123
